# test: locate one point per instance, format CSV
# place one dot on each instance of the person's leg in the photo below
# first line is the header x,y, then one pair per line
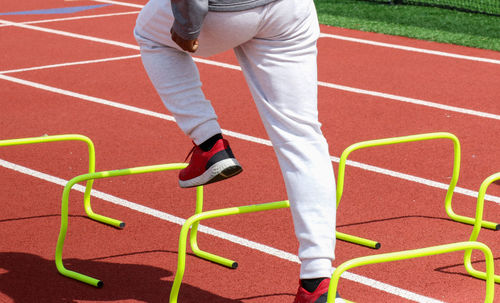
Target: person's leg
x,y
280,67
176,79
173,71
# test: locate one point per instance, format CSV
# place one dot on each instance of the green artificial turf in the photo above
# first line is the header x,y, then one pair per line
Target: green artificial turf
x,y
415,21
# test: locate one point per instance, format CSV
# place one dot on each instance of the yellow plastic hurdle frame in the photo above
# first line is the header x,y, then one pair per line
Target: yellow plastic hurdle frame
x,y
406,139
194,221
91,151
100,175
468,246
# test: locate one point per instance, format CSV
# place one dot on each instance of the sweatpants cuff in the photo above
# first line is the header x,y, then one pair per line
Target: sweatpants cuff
x,y
204,131
315,268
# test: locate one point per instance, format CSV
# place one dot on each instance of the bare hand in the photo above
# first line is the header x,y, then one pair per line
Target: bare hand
x,y
187,45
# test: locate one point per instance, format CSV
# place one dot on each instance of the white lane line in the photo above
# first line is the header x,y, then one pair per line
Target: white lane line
x,y
377,94
231,66
88,98
74,18
411,49
240,136
216,233
68,34
120,3
412,101
419,180
68,64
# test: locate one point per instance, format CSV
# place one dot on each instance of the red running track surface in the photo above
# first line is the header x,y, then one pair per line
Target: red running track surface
x,y
372,86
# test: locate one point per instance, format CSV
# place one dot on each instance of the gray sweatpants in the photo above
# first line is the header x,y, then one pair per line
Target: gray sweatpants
x,y
276,48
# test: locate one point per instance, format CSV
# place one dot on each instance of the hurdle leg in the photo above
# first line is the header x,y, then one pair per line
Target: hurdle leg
x,y
97,217
477,228
181,259
88,188
194,233
357,240
62,236
417,253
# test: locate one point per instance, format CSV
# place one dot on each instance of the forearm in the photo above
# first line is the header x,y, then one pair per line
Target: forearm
x,y
189,16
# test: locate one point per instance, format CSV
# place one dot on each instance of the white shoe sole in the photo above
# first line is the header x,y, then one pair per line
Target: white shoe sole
x,y
221,170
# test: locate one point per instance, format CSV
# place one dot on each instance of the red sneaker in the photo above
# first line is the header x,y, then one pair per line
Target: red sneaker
x,y
207,167
318,296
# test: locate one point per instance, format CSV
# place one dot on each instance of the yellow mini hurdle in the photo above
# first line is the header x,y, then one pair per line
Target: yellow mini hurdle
x,y
406,139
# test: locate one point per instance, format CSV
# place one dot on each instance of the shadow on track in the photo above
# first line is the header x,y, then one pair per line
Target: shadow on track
x,y
29,278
